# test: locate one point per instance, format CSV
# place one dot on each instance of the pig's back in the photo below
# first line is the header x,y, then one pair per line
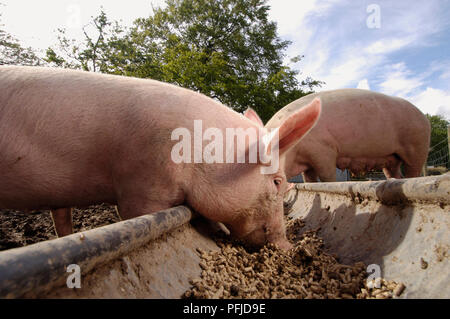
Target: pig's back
x,y
361,122
66,135
61,131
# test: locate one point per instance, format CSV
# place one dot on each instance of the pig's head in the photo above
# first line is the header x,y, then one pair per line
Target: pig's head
x,y
247,197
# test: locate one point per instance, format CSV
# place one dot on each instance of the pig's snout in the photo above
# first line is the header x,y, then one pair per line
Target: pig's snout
x,y
283,244
259,238
278,237
256,238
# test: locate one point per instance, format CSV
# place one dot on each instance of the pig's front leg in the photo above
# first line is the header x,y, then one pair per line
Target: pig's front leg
x,y
328,174
309,176
392,170
323,159
141,201
134,208
326,168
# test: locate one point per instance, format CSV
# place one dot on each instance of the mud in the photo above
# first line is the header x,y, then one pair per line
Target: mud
x,y
18,228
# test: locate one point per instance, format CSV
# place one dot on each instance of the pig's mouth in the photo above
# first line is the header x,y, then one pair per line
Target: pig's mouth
x,y
257,238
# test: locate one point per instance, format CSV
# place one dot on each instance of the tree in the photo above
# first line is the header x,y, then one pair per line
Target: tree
x,y
226,49
439,140
95,54
438,128
12,52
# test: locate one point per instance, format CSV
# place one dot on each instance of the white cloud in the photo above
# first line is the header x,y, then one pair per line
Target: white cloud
x,y
433,101
290,15
338,50
400,81
442,67
445,75
388,45
363,84
346,73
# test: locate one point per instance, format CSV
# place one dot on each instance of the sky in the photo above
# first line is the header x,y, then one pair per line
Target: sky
x,y
400,48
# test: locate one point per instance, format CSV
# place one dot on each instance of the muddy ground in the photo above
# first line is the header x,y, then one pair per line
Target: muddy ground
x,y
18,228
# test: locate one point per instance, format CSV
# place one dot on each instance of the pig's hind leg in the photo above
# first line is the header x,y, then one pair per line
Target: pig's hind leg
x,y
62,221
413,164
414,155
413,170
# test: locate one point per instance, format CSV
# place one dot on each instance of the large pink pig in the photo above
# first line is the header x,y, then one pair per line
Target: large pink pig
x,y
72,138
359,130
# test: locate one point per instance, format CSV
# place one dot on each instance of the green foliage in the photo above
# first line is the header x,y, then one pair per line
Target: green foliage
x,y
95,54
226,49
438,128
439,140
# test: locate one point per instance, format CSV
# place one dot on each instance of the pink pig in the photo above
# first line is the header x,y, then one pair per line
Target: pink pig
x,y
72,138
358,130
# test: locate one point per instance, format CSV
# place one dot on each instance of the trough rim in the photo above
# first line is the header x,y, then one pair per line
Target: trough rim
x,y
38,267
430,189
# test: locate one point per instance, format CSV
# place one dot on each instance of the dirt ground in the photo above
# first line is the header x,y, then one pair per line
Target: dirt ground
x,y
18,228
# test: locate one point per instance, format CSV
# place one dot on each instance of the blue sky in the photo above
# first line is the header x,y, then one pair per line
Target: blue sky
x,y
400,47
406,53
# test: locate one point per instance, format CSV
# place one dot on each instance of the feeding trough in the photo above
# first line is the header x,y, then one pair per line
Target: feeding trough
x,y
399,227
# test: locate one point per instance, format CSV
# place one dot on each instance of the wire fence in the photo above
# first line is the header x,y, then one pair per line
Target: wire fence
x,y
439,155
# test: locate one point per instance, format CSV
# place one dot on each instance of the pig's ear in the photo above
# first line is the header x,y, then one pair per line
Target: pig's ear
x,y
298,125
253,116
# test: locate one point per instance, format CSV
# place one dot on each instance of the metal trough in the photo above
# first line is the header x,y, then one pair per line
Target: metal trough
x,y
400,226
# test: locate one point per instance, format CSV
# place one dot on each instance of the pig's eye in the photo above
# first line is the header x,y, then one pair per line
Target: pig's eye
x,y
277,182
